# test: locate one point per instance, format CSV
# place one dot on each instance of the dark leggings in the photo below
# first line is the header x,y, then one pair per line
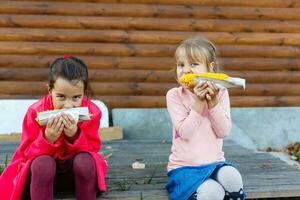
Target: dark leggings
x,y
47,174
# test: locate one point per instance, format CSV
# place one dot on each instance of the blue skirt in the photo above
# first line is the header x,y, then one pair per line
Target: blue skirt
x,y
184,181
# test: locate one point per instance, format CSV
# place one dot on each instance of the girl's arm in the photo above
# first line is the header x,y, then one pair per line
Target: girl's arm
x,y
33,142
185,121
220,115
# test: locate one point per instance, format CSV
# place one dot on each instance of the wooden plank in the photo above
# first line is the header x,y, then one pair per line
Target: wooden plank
x,y
158,76
151,23
129,88
93,62
130,195
144,10
267,77
95,75
111,133
257,51
264,101
106,134
118,101
151,88
105,49
255,3
113,49
260,64
268,89
151,37
151,63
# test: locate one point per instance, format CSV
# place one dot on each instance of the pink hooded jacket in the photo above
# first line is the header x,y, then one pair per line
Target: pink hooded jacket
x,y
33,144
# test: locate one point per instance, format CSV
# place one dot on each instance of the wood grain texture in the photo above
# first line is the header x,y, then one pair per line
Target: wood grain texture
x,y
128,46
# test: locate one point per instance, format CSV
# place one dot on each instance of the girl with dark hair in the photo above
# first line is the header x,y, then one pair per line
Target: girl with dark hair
x,y
63,154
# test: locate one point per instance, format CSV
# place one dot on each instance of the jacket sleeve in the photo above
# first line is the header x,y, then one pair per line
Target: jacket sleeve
x,y
185,121
220,115
33,142
88,139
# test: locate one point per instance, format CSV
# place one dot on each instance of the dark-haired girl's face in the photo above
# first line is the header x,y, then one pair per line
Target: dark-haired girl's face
x,y
67,94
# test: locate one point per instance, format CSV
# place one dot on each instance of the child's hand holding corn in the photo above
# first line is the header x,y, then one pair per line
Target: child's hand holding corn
x,y
208,91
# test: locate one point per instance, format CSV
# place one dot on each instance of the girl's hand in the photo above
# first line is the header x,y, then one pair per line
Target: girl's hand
x,y
54,128
201,90
212,94
70,125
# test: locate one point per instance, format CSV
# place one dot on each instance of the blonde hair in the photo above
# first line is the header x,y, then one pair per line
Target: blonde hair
x,y
198,49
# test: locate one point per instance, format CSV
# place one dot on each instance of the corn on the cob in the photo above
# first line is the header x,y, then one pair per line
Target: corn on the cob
x,y
79,114
222,80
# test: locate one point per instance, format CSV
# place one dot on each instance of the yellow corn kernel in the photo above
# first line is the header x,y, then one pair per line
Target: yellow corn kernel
x,y
217,76
189,79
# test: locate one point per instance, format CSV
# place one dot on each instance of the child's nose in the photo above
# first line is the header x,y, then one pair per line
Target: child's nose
x,y
68,104
186,69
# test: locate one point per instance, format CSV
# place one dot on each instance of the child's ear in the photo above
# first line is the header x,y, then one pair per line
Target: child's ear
x,y
212,67
49,89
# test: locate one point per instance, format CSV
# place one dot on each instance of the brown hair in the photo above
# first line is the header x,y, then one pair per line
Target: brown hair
x,y
70,68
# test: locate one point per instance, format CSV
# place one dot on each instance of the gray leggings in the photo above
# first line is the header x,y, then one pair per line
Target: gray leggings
x,y
227,180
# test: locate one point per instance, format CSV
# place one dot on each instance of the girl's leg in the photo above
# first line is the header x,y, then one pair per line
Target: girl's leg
x,y
85,177
43,170
210,190
231,179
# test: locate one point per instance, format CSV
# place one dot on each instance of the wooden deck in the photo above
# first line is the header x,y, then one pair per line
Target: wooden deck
x,y
265,176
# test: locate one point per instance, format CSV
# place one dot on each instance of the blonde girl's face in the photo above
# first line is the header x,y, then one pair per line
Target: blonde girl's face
x,y
186,65
67,94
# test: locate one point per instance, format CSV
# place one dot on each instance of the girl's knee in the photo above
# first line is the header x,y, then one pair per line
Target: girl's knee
x,y
210,190
230,178
43,168
84,165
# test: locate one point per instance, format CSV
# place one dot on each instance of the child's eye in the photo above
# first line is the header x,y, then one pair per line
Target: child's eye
x,y
194,64
180,65
76,98
61,97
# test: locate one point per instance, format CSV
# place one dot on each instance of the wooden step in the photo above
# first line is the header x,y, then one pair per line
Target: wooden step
x,y
147,10
264,176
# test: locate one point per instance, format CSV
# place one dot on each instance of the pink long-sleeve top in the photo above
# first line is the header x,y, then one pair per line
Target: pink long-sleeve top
x,y
197,137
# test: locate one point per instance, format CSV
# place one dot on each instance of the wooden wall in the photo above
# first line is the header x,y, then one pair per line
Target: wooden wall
x,y
129,45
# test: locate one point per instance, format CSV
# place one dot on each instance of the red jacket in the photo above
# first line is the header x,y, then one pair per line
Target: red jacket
x,y
33,144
